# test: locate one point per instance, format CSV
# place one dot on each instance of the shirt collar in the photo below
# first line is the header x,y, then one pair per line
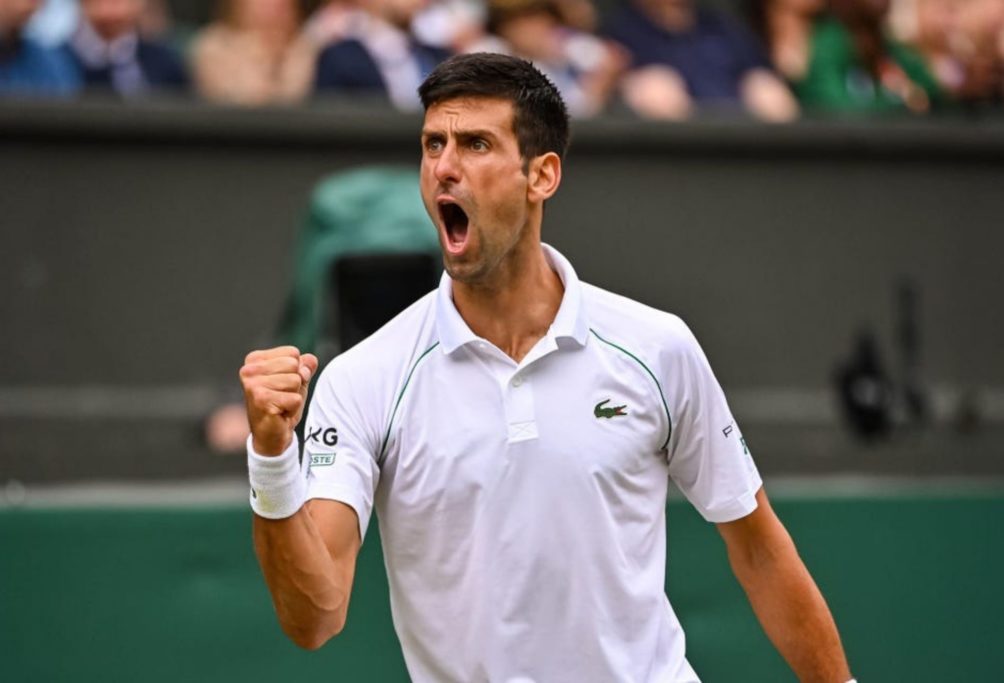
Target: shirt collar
x,y
569,323
97,53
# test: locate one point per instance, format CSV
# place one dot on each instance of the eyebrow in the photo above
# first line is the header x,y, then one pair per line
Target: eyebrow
x,y
461,134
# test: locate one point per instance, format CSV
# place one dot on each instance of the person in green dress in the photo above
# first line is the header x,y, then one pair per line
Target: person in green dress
x,y
856,67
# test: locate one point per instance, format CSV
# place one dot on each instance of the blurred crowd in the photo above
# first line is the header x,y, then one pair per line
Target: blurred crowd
x,y
660,59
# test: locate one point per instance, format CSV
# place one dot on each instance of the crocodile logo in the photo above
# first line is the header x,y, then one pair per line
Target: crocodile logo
x,y
614,411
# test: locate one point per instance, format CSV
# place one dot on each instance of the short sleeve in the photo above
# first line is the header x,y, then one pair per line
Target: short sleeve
x,y
709,459
339,453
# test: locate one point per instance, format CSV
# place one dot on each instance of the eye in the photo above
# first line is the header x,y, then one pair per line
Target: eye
x,y
479,145
433,145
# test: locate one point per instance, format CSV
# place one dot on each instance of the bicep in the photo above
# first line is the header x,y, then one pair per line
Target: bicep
x,y
338,525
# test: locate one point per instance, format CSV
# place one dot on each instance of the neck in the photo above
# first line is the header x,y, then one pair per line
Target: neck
x,y
516,308
674,17
785,22
10,36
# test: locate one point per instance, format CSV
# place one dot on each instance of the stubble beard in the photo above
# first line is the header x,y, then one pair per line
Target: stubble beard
x,y
484,269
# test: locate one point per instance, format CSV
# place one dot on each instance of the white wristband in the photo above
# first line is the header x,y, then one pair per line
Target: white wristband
x,y
278,487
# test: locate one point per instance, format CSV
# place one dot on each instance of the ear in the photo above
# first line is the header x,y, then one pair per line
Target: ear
x,y
543,177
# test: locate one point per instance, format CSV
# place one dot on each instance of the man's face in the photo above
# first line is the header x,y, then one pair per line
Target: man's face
x,y
473,185
112,18
14,14
400,13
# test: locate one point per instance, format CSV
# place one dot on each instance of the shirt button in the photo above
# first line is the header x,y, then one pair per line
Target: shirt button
x,y
517,380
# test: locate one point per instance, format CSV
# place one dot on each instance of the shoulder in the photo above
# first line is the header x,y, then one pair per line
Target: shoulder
x,y
162,62
626,24
343,48
830,35
433,52
67,55
31,51
712,21
347,63
346,53
638,328
54,66
156,51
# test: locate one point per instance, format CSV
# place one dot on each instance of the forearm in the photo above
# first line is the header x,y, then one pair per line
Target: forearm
x,y
309,594
792,610
307,550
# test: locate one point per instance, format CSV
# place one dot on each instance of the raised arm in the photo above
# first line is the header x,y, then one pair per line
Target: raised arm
x,y
307,556
784,597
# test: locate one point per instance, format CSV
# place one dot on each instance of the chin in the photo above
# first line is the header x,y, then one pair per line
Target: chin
x,y
462,270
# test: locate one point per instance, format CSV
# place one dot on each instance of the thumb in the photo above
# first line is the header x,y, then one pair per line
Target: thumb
x,y
308,366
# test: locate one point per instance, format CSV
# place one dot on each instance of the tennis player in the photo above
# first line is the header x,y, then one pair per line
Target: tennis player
x,y
516,431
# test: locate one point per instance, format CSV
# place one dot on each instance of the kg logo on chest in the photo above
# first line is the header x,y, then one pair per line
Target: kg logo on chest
x,y
327,436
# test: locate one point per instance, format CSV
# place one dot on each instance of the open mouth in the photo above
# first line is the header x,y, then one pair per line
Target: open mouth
x,y
455,223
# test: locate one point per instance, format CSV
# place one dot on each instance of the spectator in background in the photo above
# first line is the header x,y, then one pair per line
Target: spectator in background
x,y
53,23
452,25
254,54
26,67
981,45
111,53
157,23
785,28
932,28
857,67
380,57
685,56
584,68
331,22
578,14
457,25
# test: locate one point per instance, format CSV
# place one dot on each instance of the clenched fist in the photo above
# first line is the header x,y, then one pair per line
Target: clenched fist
x,y
275,390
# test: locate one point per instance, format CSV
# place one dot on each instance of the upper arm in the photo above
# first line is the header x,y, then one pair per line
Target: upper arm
x,y
708,457
341,445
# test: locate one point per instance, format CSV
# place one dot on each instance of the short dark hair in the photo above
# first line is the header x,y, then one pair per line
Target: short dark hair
x,y
540,119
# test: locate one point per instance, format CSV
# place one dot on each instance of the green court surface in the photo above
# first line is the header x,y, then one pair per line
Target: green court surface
x,y
916,584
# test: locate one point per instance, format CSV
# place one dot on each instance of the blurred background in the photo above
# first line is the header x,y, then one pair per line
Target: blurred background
x,y
815,186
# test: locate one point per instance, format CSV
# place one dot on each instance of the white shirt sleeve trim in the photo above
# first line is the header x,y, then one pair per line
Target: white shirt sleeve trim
x,y
736,509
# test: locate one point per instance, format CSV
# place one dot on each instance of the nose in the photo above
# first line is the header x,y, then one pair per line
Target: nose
x,y
447,165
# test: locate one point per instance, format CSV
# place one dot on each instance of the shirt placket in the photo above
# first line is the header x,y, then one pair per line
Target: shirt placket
x,y
521,417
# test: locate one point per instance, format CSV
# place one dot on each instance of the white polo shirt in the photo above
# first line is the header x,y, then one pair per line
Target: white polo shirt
x,y
522,505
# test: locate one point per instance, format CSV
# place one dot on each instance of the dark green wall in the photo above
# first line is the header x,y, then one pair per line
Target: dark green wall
x,y
175,595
